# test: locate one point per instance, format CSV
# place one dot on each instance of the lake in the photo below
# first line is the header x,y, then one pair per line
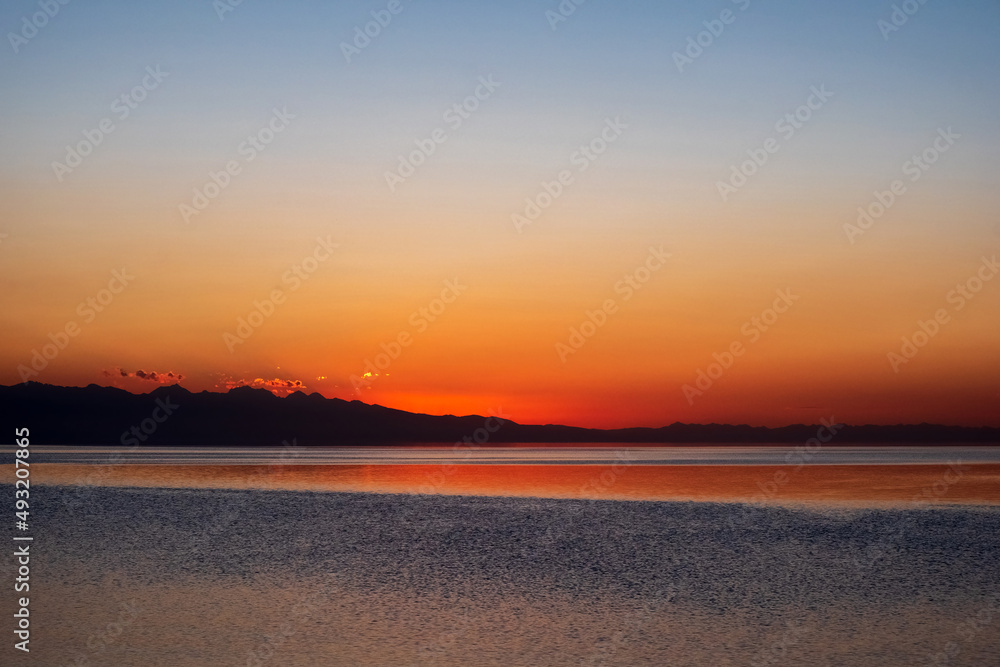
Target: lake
x,y
514,556
775,473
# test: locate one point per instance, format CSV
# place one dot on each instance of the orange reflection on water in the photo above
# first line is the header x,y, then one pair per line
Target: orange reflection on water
x,y
973,483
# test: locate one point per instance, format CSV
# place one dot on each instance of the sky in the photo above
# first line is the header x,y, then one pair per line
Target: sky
x,y
606,214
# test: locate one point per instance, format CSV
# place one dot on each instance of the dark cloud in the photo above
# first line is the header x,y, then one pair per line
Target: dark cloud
x,y
149,376
277,385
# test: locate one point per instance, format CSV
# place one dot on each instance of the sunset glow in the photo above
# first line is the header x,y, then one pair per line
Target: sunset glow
x,y
482,210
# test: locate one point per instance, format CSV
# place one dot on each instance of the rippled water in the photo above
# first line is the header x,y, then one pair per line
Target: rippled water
x,y
512,556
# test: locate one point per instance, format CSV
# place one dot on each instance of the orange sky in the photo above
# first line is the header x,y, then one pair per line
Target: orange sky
x,y
622,154
501,342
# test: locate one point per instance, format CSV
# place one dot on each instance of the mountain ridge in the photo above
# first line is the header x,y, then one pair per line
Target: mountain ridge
x,y
246,416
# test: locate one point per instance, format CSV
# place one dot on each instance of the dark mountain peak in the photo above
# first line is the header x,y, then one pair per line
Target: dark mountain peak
x,y
91,389
170,390
32,386
251,393
315,398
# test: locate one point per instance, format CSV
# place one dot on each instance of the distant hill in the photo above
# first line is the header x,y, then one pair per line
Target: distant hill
x,y
96,415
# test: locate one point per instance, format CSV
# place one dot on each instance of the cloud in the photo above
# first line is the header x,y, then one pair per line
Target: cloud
x,y
277,385
148,376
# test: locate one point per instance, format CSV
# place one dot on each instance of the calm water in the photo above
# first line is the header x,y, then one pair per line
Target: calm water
x,y
774,474
578,454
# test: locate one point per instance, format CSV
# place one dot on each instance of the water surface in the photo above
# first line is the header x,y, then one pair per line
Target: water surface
x,y
193,577
776,474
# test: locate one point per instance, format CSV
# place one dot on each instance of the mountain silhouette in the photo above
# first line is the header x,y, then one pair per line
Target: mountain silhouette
x,y
174,416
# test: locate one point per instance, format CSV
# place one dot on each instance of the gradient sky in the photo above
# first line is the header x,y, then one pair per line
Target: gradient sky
x,y
495,346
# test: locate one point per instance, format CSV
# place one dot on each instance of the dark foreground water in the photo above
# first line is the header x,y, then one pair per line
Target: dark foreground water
x,y
248,577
